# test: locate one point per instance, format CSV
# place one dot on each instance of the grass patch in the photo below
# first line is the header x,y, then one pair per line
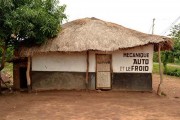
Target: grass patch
x,y
155,68
172,69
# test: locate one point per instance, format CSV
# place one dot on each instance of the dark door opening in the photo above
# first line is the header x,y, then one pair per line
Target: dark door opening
x,y
23,80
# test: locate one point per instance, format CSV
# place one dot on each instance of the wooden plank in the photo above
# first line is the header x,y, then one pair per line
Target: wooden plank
x,y
103,67
103,80
103,58
103,71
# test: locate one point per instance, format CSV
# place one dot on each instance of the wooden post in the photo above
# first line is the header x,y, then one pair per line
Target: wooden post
x,y
2,63
28,74
160,71
87,68
0,84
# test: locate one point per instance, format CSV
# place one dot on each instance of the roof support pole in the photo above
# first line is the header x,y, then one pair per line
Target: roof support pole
x,y
0,84
160,71
28,74
87,69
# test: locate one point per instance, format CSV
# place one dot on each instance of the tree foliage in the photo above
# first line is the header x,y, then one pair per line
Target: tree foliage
x,y
175,32
28,22
173,55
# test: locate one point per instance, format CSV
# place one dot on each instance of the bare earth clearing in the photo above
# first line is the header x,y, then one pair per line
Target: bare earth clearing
x,y
105,105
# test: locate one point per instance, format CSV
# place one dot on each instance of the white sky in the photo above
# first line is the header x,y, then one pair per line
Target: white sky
x,y
134,14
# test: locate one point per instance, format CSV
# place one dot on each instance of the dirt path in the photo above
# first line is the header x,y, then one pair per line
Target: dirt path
x,y
106,105
171,86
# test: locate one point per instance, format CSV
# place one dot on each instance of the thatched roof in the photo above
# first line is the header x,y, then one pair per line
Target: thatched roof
x,y
94,34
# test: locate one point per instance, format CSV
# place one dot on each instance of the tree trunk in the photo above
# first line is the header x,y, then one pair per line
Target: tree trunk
x,y
2,63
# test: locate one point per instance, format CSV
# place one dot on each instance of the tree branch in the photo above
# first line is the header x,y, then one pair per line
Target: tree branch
x,y
2,47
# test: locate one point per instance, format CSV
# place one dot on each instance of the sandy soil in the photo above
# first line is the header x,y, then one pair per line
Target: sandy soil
x,y
93,105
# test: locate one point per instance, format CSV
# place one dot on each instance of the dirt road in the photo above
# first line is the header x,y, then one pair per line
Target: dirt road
x,y
93,105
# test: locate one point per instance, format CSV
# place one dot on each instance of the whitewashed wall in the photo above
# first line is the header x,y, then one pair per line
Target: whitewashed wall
x,y
125,64
92,62
59,62
76,62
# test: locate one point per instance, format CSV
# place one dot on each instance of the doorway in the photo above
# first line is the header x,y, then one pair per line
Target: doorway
x,y
23,80
103,71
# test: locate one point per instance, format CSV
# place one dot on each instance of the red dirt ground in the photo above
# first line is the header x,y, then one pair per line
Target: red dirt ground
x,y
93,105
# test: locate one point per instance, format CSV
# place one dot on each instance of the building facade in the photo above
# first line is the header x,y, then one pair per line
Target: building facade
x,y
90,54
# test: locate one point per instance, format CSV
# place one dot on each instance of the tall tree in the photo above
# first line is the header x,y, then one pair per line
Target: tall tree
x,y
175,32
174,54
30,22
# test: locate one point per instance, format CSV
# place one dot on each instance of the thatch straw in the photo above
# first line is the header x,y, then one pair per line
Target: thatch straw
x,y
94,34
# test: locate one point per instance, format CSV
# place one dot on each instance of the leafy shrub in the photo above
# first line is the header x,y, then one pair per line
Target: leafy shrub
x,y
175,72
171,70
155,57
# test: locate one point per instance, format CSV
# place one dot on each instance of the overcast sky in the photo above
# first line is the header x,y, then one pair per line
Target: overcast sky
x,y
134,14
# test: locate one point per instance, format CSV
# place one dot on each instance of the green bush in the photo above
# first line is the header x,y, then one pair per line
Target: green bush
x,y
175,72
155,57
171,70
155,68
